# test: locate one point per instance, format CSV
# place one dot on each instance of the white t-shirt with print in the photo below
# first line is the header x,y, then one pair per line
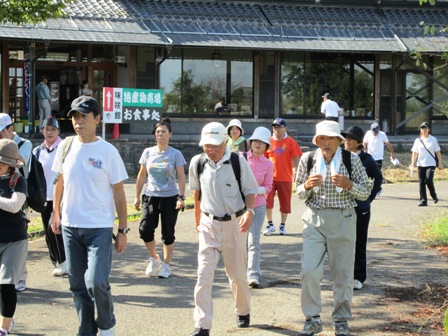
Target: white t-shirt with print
x,y
90,170
424,158
375,144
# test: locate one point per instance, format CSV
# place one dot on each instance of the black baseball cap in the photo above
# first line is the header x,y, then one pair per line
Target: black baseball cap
x,y
84,105
424,124
51,122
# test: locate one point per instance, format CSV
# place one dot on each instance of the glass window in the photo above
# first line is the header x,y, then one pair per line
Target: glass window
x,y
441,74
306,77
145,68
267,84
195,81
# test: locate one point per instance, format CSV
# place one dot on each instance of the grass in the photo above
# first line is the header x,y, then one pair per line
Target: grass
x,y
435,232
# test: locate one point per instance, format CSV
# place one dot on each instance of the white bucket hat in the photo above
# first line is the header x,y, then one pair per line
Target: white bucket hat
x,y
234,122
262,134
213,133
328,128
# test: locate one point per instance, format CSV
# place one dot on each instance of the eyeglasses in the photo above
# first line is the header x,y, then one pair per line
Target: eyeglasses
x,y
277,126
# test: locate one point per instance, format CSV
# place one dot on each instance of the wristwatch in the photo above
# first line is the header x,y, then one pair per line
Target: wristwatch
x,y
182,197
124,230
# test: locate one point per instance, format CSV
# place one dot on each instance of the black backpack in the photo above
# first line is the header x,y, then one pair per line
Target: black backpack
x,y
234,161
346,160
36,183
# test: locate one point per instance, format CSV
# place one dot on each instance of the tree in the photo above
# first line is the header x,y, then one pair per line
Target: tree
x,y
22,12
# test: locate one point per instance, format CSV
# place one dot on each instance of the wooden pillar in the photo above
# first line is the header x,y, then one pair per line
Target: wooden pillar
x,y
5,77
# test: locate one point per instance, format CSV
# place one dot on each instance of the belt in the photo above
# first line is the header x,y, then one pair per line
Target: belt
x,y
226,218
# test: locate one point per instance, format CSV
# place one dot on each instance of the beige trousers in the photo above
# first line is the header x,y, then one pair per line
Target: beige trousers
x,y
216,238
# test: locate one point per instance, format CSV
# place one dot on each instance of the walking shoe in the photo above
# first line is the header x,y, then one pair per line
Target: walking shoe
x,y
60,269
436,200
243,321
282,230
108,332
423,204
3,332
357,284
341,329
254,283
165,271
153,265
269,230
311,327
200,332
21,286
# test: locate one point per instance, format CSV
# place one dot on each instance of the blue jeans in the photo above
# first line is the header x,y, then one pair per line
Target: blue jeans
x,y
89,259
253,243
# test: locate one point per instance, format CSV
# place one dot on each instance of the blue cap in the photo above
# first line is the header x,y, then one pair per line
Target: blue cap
x,y
279,122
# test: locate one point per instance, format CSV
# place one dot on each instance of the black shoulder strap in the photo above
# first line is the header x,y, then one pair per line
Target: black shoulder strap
x,y
20,143
13,181
347,161
309,164
199,169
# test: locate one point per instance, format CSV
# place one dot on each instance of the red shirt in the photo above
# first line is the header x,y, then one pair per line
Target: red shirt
x,y
281,153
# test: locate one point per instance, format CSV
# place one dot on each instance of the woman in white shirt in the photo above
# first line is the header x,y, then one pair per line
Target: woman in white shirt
x,y
426,155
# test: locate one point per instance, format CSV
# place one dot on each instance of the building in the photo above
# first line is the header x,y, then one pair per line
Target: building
x,y
267,59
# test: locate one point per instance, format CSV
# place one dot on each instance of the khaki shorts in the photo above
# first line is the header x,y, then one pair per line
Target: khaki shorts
x,y
12,261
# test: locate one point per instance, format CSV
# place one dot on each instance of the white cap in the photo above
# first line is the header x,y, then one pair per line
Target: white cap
x,y
262,134
5,120
374,125
328,128
234,122
213,133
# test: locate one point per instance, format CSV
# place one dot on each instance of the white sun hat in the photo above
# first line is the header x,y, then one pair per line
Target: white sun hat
x,y
328,128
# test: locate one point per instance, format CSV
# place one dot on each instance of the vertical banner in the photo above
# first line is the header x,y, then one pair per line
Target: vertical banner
x,y
26,88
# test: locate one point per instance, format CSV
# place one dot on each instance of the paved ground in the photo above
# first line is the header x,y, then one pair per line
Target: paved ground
x,y
152,306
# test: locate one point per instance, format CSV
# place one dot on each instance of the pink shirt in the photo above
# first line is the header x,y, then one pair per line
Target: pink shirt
x,y
263,170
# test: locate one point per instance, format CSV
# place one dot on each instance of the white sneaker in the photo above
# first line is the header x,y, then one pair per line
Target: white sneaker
x,y
269,230
282,230
254,283
357,284
21,286
165,271
60,269
108,332
153,265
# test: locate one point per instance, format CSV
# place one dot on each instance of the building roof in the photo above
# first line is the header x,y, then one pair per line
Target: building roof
x,y
294,25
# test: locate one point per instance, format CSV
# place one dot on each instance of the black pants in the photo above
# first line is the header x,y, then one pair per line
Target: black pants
x,y
379,163
8,300
54,242
425,179
362,228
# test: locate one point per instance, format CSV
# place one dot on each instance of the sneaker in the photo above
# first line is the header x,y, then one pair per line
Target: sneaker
x,y
108,332
311,327
60,269
153,265
3,332
21,286
357,284
436,200
282,230
165,271
200,332
341,329
254,283
269,230
243,321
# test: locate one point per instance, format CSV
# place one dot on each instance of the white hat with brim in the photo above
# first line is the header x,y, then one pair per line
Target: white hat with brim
x,y
262,134
237,123
328,128
9,154
213,133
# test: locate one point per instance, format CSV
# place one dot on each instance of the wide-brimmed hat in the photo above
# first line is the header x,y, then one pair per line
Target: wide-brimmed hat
x,y
84,105
262,134
328,128
234,122
354,132
213,133
9,153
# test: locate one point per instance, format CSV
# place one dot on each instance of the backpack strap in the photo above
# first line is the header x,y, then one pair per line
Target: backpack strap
x,y
67,145
13,181
199,169
346,160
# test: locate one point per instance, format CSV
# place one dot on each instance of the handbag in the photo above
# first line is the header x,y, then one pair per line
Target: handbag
x,y
434,157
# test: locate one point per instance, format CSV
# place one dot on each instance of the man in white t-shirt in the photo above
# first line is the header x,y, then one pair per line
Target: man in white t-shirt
x,y
374,142
91,185
329,108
